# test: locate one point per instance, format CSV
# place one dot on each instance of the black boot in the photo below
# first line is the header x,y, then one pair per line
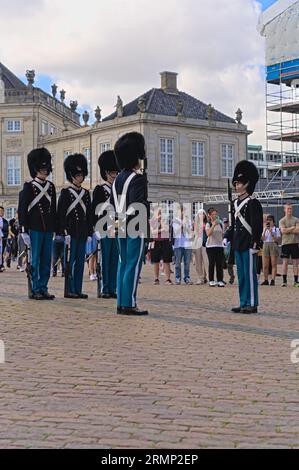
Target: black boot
x,y
48,296
82,296
249,310
134,311
236,309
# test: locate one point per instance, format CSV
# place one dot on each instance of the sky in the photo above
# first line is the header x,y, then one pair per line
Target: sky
x,y
98,49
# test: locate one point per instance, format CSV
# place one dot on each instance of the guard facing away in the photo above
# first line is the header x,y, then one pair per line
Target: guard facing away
x,y
109,171
129,188
37,217
247,233
75,221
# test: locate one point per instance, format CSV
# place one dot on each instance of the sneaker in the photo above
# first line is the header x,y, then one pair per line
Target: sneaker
x,y
213,283
200,283
232,281
156,282
178,281
168,282
221,284
188,281
284,284
296,284
272,283
22,270
265,283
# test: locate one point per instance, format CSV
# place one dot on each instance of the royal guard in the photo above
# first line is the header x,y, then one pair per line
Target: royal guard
x,y
37,218
109,171
246,235
75,222
128,190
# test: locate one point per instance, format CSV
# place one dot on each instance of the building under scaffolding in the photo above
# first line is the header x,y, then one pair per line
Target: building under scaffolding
x,y
279,24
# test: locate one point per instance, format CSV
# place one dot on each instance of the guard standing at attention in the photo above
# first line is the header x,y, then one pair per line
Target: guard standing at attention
x,y
129,188
75,221
37,219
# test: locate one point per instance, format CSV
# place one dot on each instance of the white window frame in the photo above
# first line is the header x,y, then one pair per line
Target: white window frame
x,y
52,129
44,127
10,213
104,147
167,157
12,126
227,160
87,154
196,206
197,158
15,168
66,153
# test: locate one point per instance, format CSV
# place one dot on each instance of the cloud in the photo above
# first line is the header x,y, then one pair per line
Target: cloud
x,y
98,49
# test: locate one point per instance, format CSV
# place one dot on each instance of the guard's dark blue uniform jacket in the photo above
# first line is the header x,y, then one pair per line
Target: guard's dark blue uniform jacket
x,y
100,195
42,216
136,191
78,221
253,214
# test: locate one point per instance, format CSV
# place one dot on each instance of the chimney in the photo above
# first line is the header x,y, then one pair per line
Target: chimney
x,y
169,82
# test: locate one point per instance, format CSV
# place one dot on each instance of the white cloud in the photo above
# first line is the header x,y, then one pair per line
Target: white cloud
x,y
98,49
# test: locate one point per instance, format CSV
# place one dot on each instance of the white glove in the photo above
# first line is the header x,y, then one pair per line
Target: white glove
x,y
26,239
89,239
68,240
98,236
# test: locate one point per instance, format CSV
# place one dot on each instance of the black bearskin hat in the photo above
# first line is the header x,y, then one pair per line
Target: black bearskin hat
x,y
39,159
107,162
129,149
74,165
246,173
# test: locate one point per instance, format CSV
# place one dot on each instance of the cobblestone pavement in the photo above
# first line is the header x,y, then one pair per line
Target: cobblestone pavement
x,y
191,375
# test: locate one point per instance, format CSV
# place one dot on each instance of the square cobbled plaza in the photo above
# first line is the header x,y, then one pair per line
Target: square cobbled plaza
x,y
191,375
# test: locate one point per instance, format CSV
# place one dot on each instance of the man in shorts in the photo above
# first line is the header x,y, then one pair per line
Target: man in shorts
x,y
289,227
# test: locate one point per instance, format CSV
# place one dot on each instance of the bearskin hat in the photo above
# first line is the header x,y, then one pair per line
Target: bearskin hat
x,y
75,164
129,149
107,162
39,159
246,173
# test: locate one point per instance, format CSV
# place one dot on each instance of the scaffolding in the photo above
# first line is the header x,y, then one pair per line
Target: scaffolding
x,y
282,126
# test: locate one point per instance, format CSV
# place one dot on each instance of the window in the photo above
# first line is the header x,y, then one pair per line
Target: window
x,y
87,154
227,160
11,212
198,159
51,175
104,147
167,156
196,206
52,130
13,170
167,207
45,128
13,126
66,153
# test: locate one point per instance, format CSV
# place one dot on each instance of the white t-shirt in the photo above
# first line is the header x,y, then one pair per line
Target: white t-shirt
x,y
275,233
216,239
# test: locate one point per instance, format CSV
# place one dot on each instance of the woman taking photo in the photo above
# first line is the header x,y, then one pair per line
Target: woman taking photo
x,y
199,247
214,245
271,236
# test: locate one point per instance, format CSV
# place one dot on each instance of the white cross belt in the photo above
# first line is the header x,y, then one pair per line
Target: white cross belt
x,y
78,200
43,192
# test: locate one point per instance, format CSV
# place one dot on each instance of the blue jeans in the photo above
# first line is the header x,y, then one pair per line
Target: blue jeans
x,y
41,250
109,265
182,254
58,253
131,253
77,260
248,285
